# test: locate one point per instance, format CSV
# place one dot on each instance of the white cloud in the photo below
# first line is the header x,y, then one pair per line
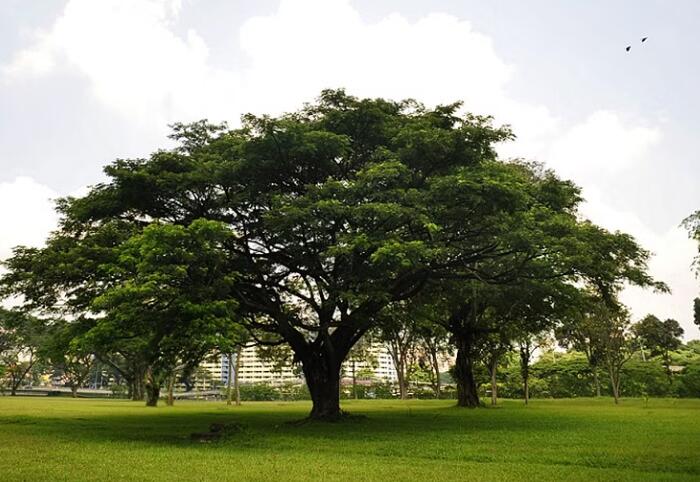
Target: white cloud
x,y
310,45
137,65
601,145
26,214
35,61
306,46
593,152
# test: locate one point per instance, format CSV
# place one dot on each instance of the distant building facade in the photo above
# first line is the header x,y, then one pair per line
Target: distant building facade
x,y
255,370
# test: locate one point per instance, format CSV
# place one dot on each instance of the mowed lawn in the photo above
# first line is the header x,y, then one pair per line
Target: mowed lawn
x,y
585,439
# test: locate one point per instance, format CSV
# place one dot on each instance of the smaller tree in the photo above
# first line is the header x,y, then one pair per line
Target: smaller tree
x,y
616,344
173,300
71,361
601,331
527,344
22,338
399,330
580,333
692,224
495,347
230,344
433,345
360,359
660,338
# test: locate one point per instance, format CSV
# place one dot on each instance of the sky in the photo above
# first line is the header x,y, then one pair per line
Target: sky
x,y
84,82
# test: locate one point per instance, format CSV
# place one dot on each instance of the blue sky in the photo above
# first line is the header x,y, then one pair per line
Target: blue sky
x,y
83,82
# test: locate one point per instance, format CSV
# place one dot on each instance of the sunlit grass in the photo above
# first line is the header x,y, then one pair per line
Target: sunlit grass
x,y
586,439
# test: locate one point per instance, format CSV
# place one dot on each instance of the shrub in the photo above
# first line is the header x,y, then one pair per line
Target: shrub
x,y
689,383
118,390
258,392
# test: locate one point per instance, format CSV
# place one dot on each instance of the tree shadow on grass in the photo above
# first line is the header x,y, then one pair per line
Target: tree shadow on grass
x,y
269,424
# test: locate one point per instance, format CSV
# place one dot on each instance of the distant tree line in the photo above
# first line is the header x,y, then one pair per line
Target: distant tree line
x,y
309,231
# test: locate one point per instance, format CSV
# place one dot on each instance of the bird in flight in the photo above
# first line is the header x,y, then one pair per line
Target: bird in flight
x,y
627,49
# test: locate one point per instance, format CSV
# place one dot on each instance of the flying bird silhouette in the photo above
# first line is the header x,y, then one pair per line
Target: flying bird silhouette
x,y
627,49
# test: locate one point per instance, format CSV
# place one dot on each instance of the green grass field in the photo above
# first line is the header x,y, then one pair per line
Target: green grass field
x,y
63,439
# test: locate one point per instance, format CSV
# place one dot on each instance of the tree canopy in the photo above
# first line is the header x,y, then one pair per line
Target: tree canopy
x,y
305,228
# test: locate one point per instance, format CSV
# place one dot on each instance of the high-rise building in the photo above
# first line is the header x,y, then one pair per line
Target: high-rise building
x,y
381,367
255,370
252,370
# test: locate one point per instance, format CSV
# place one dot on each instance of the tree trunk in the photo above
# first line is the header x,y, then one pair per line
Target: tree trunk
x,y
467,394
401,375
152,395
18,378
399,359
493,367
152,389
615,383
436,370
138,390
526,388
596,381
15,384
74,391
229,381
354,381
236,380
323,380
525,355
667,366
137,383
170,401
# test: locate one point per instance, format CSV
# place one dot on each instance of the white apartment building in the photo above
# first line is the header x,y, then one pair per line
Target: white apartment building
x,y
255,370
383,368
252,370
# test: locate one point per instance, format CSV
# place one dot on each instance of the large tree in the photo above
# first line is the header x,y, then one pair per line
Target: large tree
x,y
337,211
